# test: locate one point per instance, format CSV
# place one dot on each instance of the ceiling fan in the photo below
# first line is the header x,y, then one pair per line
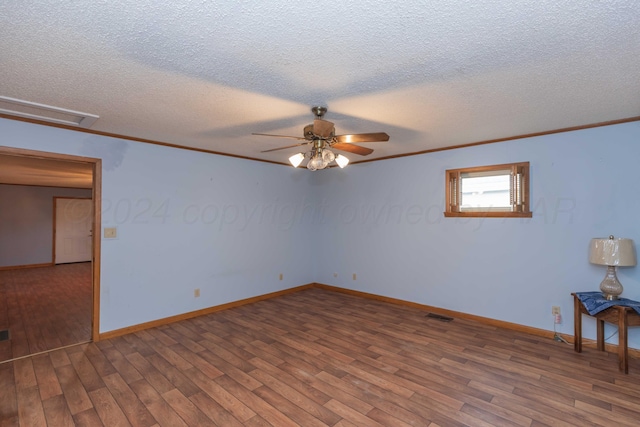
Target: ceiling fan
x,y
321,136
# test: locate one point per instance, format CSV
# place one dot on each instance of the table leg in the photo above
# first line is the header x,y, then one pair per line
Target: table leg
x,y
577,324
623,362
600,334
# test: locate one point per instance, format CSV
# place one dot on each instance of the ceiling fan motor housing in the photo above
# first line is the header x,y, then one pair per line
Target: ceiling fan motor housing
x,y
308,132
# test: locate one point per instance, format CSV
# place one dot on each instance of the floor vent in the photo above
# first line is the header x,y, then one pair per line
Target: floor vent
x,y
4,335
439,317
47,113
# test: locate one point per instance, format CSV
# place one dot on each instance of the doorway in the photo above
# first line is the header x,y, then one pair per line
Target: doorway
x,y
17,168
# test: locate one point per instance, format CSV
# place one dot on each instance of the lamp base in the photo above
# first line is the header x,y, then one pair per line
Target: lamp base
x,y
610,286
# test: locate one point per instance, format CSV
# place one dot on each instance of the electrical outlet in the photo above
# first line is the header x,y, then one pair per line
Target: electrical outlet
x,y
557,319
335,274
354,276
281,276
555,310
196,292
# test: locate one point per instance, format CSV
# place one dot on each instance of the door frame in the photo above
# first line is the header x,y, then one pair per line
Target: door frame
x,y
96,165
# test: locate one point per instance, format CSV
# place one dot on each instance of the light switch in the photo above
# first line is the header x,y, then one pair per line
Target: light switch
x,y
110,233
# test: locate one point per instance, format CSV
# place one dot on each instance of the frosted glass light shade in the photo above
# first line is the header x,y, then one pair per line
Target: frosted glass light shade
x,y
612,251
316,163
328,156
296,159
342,161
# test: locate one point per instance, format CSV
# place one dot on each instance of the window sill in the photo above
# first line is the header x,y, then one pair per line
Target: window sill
x,y
489,214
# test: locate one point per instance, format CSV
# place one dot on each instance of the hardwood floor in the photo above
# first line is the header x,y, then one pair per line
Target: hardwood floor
x,y
320,358
45,308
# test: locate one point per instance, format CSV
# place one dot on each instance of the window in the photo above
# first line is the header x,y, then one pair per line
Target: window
x,y
493,191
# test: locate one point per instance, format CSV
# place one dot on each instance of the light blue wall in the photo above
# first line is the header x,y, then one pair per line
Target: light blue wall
x,y
384,222
229,226
185,220
26,223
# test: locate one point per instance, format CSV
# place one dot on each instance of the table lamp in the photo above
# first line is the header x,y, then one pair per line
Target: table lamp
x,y
612,252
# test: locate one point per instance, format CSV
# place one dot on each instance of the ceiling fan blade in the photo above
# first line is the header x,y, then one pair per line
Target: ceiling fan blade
x,y
281,136
352,148
282,148
362,137
322,128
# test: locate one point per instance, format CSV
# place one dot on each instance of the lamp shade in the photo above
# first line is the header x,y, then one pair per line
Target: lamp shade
x,y
612,251
296,159
342,161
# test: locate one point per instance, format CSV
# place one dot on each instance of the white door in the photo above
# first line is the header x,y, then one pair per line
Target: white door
x,y
74,219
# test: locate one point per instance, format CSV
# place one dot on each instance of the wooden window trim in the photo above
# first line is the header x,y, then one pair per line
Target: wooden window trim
x,y
521,205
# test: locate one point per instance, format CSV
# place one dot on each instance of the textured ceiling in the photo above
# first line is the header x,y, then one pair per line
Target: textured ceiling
x,y
431,74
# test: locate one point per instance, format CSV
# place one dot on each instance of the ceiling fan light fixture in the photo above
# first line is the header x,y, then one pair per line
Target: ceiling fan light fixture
x,y
342,161
320,136
296,159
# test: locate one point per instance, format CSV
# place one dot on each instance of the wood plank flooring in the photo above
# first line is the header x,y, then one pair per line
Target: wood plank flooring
x,y
320,358
45,308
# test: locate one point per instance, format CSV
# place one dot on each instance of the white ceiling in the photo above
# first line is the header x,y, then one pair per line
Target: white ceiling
x,y
431,74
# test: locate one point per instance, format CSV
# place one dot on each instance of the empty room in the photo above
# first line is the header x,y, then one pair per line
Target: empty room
x,y
335,214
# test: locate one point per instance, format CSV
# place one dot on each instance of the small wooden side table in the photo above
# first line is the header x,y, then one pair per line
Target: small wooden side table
x,y
617,315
